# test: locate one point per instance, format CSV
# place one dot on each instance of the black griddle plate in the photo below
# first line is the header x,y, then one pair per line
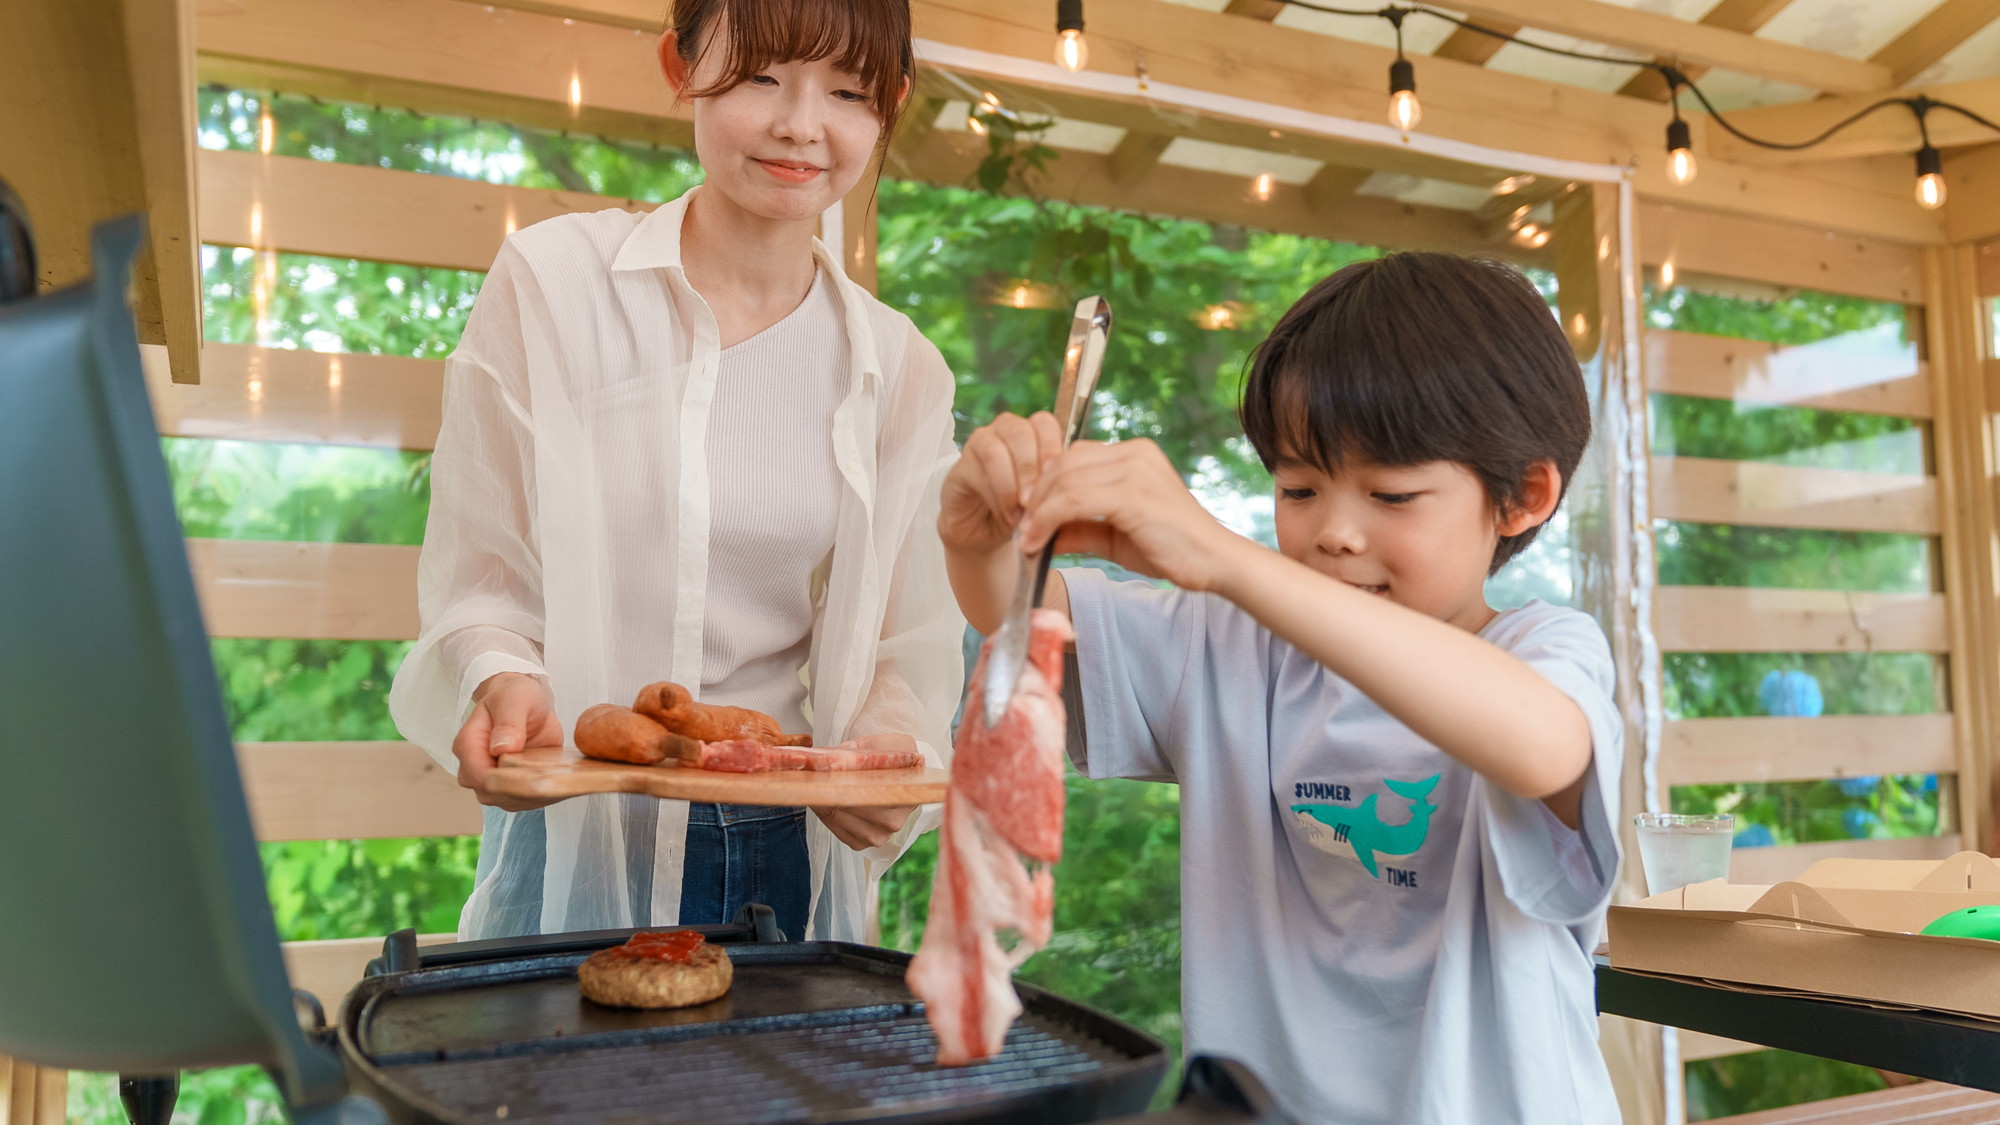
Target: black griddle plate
x,y
809,1032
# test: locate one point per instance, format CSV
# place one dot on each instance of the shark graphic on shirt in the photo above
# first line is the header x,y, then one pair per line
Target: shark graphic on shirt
x,y
1361,829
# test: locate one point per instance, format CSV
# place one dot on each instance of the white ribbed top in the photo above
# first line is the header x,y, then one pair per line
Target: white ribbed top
x,y
774,498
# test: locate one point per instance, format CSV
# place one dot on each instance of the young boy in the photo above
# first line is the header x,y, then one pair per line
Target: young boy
x,y
1397,831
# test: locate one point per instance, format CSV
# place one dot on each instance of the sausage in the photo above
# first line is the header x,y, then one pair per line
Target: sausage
x,y
619,734
673,707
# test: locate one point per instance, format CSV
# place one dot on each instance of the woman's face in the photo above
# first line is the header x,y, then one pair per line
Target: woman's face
x,y
786,143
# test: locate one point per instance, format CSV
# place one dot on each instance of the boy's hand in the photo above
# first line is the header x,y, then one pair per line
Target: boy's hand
x,y
982,499
1125,502
985,493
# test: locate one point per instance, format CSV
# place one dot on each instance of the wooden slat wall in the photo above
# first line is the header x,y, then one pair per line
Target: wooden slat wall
x,y
1704,490
1776,865
352,790
1731,619
331,591
1750,371
328,969
280,395
1766,748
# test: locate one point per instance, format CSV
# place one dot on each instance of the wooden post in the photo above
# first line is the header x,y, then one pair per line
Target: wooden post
x,y
1955,342
858,228
1587,255
32,1095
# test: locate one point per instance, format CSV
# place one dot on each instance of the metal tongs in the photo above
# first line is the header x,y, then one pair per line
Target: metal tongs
x,y
1008,655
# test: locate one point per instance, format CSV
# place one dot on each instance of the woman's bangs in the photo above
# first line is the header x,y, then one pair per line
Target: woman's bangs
x,y
866,38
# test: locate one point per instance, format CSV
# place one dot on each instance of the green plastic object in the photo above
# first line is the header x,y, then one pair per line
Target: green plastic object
x,y
1972,922
135,935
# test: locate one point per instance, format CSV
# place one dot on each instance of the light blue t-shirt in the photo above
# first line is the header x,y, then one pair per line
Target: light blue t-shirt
x,y
1381,934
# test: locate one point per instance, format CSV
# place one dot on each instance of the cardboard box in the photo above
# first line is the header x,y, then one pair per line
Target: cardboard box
x,y
1845,929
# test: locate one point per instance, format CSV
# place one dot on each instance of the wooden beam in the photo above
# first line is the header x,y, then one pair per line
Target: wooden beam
x,y
1764,866
100,124
330,969
1956,332
1760,494
518,63
301,206
1266,10
351,791
1137,155
1754,372
1731,751
1734,619
1579,297
1934,36
1988,253
1468,46
1745,16
314,591
1892,130
1636,29
1703,241
283,395
32,1095
1972,203
1333,185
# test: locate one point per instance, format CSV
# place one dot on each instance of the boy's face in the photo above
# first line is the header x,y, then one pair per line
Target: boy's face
x,y
1420,535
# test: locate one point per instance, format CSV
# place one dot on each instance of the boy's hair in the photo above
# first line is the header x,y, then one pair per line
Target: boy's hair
x,y
870,38
1420,357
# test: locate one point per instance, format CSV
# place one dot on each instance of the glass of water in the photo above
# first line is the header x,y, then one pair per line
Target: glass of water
x,y
1676,850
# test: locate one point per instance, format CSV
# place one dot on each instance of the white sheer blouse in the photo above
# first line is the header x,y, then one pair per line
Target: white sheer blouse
x,y
569,538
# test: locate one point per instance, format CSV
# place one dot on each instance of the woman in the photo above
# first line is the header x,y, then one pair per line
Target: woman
x,y
683,446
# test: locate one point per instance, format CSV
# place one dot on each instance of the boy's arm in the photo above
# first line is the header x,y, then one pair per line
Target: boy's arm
x,y
1472,700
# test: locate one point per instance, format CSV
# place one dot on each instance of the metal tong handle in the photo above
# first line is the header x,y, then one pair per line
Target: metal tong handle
x,y
1082,360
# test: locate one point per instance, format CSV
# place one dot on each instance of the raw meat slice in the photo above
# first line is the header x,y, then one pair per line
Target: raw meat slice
x,y
1003,819
745,755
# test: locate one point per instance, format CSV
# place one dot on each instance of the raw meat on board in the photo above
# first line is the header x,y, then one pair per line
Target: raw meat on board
x,y
619,734
1003,822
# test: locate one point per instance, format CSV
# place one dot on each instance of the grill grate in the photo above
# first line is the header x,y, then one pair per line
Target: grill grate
x,y
797,1074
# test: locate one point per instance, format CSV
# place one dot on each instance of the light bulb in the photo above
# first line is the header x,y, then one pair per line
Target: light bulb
x,y
1072,53
1680,153
1930,178
1667,274
1930,190
1680,166
973,123
267,132
1404,111
1264,186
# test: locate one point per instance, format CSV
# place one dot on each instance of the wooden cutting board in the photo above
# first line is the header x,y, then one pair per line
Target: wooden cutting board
x,y
553,774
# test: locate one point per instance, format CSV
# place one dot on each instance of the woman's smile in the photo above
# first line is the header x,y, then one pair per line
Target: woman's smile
x,y
791,171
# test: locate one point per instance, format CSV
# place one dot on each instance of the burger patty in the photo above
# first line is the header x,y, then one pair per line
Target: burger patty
x,y
611,978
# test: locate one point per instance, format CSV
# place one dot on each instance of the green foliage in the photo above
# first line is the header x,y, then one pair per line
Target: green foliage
x,y
1812,812
1802,316
1763,1080
367,888
316,303
444,145
313,493
1786,435
1703,685
231,1095
307,691
1712,554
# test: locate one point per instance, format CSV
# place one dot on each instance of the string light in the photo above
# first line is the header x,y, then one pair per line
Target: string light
x,y
973,123
1512,184
1072,53
1405,112
1219,317
1680,149
267,132
1667,274
1264,187
575,93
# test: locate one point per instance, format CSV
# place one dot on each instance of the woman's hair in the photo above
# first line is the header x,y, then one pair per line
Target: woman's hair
x,y
1422,357
870,38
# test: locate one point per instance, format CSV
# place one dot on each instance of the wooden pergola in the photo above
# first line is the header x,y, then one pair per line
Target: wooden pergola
x,y
111,83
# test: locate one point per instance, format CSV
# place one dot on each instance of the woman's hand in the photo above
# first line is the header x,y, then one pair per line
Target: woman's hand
x,y
870,826
511,712
1125,502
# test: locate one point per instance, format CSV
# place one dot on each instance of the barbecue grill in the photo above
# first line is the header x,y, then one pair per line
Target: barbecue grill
x,y
138,937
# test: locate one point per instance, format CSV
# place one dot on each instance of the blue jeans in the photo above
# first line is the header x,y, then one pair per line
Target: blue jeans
x,y
746,853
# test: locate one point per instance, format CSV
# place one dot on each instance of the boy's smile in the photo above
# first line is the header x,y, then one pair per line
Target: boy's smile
x,y
1421,535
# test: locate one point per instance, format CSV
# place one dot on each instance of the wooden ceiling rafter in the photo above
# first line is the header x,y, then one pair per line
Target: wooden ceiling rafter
x,y
1886,132
1934,36
1468,46
503,57
1744,16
